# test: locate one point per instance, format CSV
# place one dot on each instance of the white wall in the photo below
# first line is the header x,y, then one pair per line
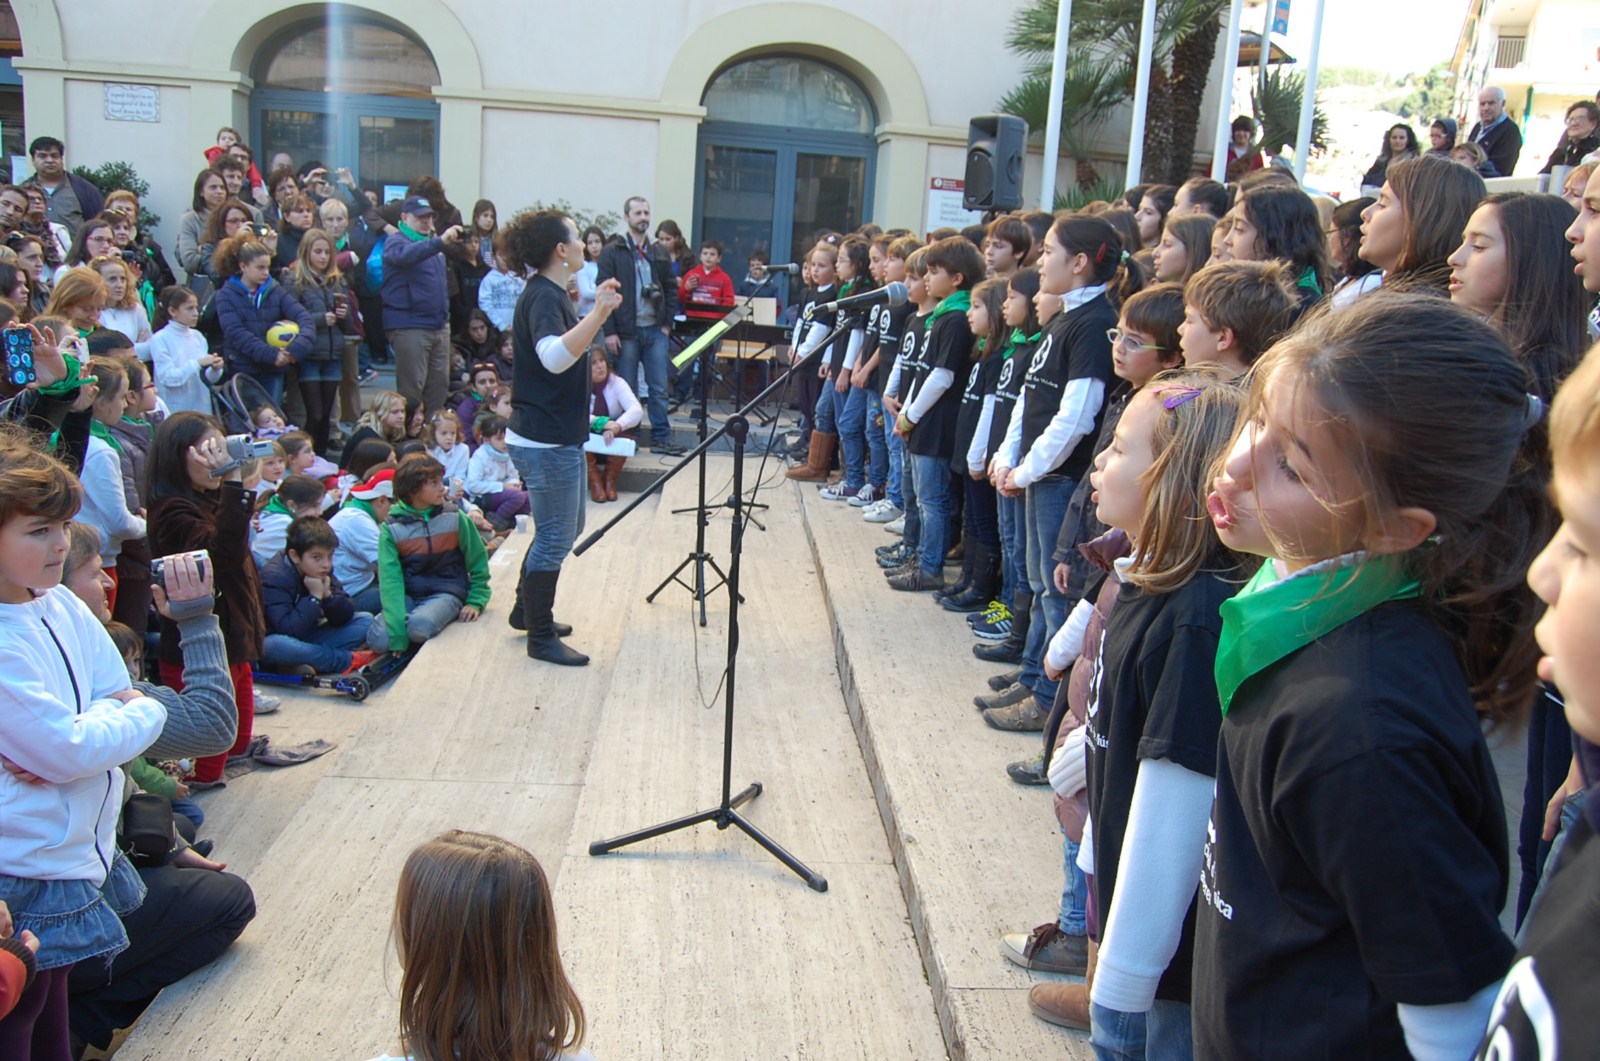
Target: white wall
x,y
594,163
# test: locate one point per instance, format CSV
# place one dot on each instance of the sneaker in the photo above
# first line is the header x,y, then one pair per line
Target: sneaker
x,y
887,513
1029,771
266,704
898,526
865,497
1047,949
1026,717
667,448
839,491
1006,680
1007,697
368,376
362,657
916,580
897,556
991,611
996,629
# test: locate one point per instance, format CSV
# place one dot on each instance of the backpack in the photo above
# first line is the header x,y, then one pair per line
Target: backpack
x,y
372,278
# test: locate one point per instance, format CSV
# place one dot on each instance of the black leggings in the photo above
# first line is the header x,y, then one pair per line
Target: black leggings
x,y
320,396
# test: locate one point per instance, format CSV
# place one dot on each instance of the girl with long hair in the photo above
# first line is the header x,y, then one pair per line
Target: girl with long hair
x,y
1277,223
1184,248
1417,221
320,288
1399,143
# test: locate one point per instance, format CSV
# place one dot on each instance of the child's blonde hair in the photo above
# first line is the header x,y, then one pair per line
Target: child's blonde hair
x,y
383,403
305,275
917,264
1575,423
475,930
1199,409
442,418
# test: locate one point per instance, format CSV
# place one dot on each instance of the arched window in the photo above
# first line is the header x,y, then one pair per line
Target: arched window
x,y
351,91
786,149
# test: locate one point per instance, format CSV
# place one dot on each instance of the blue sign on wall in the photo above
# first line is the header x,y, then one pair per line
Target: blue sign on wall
x,y
1280,17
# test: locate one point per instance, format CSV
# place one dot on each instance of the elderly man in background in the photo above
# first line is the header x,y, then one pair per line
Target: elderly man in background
x,y
1495,132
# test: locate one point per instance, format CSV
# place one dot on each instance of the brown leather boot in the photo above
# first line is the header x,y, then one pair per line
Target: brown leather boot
x,y
597,488
1065,1003
815,469
613,469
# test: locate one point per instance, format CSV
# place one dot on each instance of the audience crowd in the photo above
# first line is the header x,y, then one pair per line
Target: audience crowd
x,y
1256,496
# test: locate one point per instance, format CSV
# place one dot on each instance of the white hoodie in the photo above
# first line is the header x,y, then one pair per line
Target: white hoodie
x,y
58,720
175,352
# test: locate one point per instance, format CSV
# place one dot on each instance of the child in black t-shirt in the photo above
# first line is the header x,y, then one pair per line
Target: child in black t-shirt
x,y
969,461
1546,1008
815,397
1356,859
927,420
856,277
885,363
1152,714
909,365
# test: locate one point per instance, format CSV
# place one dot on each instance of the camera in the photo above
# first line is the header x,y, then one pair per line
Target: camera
x,y
158,566
262,230
131,257
651,291
245,448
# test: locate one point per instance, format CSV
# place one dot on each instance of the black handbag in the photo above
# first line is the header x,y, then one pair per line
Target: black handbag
x,y
146,832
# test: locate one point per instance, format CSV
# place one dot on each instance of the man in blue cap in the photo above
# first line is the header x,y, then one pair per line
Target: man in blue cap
x,y
416,304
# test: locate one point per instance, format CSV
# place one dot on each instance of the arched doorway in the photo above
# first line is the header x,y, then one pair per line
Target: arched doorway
x,y
352,91
786,149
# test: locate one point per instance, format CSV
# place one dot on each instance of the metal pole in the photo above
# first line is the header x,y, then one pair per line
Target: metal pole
x,y
1266,44
1230,44
1052,128
1141,93
1308,104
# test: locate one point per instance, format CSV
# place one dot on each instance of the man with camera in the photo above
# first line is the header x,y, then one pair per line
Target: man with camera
x,y
639,328
416,304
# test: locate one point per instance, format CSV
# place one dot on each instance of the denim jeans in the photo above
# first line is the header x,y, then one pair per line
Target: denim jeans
x,y
318,371
425,619
327,648
1163,1034
1013,547
894,488
369,599
554,479
877,441
933,500
1046,507
908,490
826,416
1074,887
650,348
853,435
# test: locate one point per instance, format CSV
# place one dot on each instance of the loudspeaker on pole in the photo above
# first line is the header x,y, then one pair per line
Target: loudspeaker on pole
x,y
995,146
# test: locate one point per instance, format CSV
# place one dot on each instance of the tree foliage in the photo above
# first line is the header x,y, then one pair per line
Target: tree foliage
x,y
1430,95
582,217
118,176
1277,111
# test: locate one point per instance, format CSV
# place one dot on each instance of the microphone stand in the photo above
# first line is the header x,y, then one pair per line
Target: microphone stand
x,y
725,813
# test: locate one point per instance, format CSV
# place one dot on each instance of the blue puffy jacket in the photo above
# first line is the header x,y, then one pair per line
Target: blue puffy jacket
x,y
415,291
291,609
245,318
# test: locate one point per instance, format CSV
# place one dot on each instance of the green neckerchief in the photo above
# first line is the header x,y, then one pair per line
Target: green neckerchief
x,y
411,234
103,433
1309,279
364,506
275,504
1017,339
136,422
1271,618
849,286
68,385
961,300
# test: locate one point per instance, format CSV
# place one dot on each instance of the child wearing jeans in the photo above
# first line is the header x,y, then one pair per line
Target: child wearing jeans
x,y
492,480
311,621
432,567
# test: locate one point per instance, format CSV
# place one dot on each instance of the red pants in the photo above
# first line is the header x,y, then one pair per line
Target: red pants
x,y
244,698
111,594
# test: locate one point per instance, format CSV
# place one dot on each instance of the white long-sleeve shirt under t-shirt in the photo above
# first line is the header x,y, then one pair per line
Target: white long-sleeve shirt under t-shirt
x,y
174,353
1081,400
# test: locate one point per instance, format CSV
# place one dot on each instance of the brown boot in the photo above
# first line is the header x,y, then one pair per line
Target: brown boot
x,y
1065,1003
597,488
613,469
815,469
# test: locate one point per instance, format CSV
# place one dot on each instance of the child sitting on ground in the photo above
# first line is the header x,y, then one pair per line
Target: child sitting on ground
x,y
355,560
299,495
515,1001
446,447
312,624
301,458
1233,311
432,566
146,775
271,471
492,480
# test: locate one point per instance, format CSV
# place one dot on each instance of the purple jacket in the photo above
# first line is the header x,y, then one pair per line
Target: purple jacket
x,y
415,291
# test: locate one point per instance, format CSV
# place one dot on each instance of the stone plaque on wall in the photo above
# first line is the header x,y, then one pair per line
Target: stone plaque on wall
x,y
132,103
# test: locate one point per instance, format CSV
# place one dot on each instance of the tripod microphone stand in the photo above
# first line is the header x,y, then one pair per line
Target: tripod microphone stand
x,y
726,812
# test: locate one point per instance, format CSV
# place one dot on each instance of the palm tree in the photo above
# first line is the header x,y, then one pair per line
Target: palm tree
x,y
1102,65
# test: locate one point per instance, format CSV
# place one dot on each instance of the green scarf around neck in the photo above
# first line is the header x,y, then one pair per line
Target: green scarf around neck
x,y
411,234
960,300
1271,618
275,504
103,433
1017,339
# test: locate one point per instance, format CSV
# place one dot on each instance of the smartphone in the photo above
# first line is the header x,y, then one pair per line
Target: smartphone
x,y
159,564
19,356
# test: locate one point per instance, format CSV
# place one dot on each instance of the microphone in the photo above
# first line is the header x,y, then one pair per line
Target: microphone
x,y
792,269
894,293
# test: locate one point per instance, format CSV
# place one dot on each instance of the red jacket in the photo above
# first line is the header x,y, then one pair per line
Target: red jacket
x,y
714,289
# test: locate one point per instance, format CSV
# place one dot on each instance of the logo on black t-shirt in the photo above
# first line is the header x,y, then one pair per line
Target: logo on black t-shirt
x,y
1041,355
1006,372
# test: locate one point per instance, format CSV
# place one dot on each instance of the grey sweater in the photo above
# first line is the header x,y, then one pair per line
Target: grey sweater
x,y
201,720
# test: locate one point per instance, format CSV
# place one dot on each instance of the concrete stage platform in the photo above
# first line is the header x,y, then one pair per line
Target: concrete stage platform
x,y
854,713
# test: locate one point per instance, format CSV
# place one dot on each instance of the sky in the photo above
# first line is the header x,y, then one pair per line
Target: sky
x,y
1395,36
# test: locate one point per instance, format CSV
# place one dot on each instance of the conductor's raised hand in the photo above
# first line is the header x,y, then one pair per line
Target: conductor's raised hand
x,y
607,297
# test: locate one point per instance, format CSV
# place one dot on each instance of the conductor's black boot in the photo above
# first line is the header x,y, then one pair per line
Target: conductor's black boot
x,y
538,600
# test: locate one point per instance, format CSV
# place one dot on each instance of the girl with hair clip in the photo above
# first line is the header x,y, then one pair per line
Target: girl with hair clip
x,y
1417,221
448,446
1356,275
178,353
1150,741
1049,442
1151,214
1356,857
1184,248
853,266
197,501
320,288
1279,223
1511,271
980,564
816,434
123,311
68,718
475,932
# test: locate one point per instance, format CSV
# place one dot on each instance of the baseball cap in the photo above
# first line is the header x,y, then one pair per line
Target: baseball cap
x,y
381,484
416,204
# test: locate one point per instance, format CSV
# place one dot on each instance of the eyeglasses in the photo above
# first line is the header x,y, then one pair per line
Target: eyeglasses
x,y
1118,337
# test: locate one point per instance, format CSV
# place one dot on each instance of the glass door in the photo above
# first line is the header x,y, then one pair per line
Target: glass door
x,y
386,141
829,192
737,200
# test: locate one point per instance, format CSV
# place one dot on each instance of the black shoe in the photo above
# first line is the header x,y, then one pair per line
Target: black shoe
x,y
544,643
203,848
1007,651
1006,680
668,448
1029,771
